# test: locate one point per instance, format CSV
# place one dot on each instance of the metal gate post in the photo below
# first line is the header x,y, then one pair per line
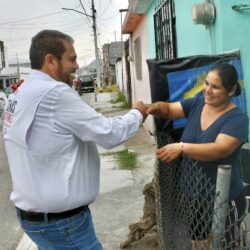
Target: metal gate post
x,y
221,204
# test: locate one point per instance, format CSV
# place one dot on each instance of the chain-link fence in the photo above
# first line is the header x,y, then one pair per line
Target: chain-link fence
x,y
187,217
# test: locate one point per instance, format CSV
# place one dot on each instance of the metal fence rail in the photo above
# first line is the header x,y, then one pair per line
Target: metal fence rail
x,y
185,208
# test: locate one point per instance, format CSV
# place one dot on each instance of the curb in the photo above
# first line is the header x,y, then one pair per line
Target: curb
x,y
25,243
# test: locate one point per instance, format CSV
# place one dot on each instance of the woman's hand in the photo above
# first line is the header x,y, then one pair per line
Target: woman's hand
x,y
158,109
169,152
153,109
165,110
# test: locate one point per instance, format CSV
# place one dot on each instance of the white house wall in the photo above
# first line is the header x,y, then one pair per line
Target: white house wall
x,y
125,80
118,73
141,88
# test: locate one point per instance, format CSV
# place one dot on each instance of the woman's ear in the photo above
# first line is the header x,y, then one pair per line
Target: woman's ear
x,y
233,90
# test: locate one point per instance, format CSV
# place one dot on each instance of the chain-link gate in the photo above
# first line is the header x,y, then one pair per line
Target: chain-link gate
x,y
185,208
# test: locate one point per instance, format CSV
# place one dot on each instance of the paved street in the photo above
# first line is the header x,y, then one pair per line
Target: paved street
x,y
10,232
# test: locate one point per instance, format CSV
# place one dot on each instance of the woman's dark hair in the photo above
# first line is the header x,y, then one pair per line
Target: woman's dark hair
x,y
228,76
47,42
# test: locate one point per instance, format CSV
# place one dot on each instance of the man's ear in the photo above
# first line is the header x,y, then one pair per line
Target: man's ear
x,y
50,61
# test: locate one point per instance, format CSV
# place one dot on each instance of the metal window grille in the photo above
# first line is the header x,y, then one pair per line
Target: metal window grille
x,y
165,31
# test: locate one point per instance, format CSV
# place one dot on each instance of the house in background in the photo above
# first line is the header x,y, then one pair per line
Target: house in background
x,y
7,77
3,57
111,52
165,29
13,73
138,23
90,69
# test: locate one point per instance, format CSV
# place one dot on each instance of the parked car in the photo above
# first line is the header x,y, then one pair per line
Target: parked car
x,y
85,84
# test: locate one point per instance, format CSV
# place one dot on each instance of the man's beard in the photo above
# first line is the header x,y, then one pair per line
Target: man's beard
x,y
64,77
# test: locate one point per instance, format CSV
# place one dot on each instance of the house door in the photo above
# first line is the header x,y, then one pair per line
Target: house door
x,y
128,75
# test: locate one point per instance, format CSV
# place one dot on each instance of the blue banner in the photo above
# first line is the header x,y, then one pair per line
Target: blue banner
x,y
184,84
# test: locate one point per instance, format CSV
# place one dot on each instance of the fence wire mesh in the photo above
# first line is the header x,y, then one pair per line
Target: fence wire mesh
x,y
186,217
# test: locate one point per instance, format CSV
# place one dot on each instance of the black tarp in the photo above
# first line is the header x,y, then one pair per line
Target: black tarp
x,y
171,79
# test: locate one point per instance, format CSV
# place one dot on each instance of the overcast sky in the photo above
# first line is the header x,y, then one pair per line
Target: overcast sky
x,y
20,20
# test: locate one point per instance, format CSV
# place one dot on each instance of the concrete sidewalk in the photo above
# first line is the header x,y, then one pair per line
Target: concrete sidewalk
x,y
120,201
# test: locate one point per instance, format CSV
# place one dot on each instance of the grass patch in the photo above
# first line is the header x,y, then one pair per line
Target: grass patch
x,y
125,159
108,88
120,98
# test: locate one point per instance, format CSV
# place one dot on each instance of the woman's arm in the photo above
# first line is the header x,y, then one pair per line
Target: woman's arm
x,y
166,110
223,146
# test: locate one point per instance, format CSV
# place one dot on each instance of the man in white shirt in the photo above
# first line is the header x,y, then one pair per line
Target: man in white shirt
x,y
50,138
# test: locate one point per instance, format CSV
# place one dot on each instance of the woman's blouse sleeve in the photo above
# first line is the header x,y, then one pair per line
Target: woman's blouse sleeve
x,y
237,126
188,105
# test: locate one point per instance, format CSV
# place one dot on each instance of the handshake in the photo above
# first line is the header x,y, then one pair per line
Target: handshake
x,y
157,109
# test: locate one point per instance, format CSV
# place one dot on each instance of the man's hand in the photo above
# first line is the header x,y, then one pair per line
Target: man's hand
x,y
142,108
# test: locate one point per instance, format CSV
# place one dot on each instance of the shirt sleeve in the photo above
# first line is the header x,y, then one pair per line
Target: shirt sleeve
x,y
236,126
74,115
188,105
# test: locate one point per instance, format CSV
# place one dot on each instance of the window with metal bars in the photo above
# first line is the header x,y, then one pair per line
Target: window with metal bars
x,y
165,29
138,58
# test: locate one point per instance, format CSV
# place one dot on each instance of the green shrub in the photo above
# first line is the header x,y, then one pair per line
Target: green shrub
x,y
108,88
120,98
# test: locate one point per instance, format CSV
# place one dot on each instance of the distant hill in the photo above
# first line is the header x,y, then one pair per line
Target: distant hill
x,y
91,68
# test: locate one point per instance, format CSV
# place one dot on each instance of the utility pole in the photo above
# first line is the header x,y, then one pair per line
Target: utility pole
x,y
18,69
121,11
98,70
97,58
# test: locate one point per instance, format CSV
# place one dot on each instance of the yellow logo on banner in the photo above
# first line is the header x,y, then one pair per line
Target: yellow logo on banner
x,y
196,88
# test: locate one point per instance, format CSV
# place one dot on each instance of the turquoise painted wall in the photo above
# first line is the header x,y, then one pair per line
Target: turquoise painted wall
x,y
191,39
231,31
151,34
235,34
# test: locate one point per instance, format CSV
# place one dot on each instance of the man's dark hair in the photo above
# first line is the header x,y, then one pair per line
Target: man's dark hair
x,y
47,42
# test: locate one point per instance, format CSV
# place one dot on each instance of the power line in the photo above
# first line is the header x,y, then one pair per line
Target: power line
x,y
109,17
20,24
105,8
108,27
88,2
71,30
85,11
18,39
33,18
36,27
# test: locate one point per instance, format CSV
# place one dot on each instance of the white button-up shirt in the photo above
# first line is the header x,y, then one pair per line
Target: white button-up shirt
x,y
50,137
